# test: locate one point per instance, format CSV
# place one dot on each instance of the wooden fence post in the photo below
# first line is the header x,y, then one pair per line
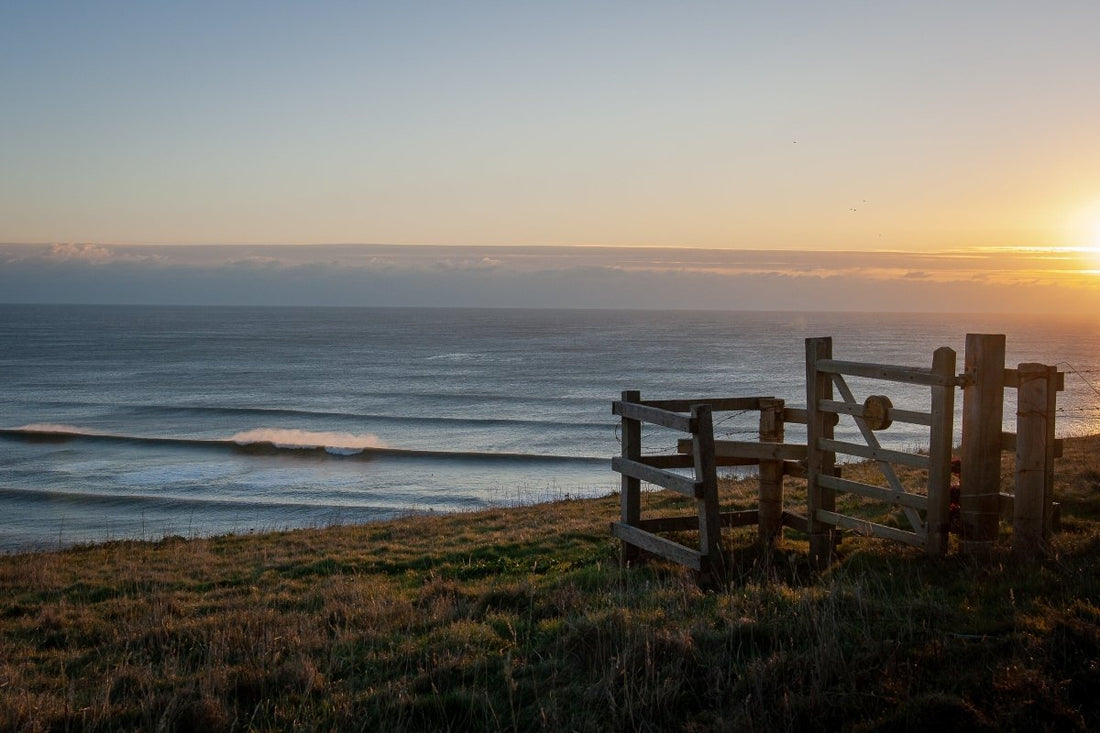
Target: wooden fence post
x,y
983,416
939,454
631,490
713,566
1029,510
1051,412
771,474
819,386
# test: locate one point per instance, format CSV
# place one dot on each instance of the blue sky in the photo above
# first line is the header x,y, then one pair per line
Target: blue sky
x,y
797,126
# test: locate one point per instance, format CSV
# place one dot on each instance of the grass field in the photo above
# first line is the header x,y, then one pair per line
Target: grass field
x,y
521,619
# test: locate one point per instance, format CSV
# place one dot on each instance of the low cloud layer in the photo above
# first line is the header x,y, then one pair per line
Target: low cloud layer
x,y
588,277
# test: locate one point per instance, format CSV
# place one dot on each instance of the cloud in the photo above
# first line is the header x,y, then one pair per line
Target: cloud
x,y
589,277
83,252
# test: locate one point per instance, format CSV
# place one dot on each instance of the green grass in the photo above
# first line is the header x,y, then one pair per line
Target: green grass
x,y
522,619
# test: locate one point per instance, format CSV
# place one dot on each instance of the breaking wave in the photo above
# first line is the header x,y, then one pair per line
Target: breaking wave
x,y
273,441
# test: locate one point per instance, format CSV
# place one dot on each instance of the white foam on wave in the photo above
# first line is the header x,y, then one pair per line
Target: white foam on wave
x,y
343,444
456,356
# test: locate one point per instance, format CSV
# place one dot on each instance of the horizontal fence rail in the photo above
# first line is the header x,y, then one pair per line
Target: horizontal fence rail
x,y
888,372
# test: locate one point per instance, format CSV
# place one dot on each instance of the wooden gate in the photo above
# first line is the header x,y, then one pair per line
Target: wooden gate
x,y
926,514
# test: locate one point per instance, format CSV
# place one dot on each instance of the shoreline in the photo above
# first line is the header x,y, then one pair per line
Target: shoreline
x,y
1074,444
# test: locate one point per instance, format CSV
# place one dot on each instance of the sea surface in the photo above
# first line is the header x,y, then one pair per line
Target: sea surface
x,y
143,422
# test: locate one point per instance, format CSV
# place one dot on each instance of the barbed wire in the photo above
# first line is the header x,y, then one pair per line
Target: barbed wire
x,y
1081,373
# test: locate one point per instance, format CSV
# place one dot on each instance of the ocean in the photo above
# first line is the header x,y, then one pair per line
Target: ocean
x,y
143,422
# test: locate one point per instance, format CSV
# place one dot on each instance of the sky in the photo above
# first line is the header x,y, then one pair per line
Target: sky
x,y
887,154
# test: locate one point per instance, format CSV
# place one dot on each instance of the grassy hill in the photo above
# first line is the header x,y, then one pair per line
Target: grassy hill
x,y
522,619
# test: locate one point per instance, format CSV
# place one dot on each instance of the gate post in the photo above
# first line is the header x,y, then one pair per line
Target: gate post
x,y
1031,502
630,496
983,415
819,386
770,526
939,453
1051,410
713,561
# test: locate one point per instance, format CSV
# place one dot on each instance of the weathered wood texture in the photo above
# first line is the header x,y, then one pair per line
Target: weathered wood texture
x,y
797,522
1008,440
875,450
1029,514
878,493
872,453
877,413
871,529
751,451
637,534
939,454
820,458
854,408
770,494
641,540
688,522
716,404
706,501
654,415
888,372
630,496
983,414
665,479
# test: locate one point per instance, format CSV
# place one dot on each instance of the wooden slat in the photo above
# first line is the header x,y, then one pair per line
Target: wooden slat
x,y
717,404
1008,443
685,523
879,493
674,481
653,415
760,450
855,409
794,469
872,441
706,498
630,496
729,461
797,522
667,549
795,415
690,522
911,416
753,450
874,454
682,460
743,518
843,408
675,461
1012,379
870,529
770,486
888,372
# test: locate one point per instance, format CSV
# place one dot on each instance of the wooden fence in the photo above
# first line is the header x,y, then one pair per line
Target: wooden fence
x,y
703,454
1031,506
982,503
876,413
